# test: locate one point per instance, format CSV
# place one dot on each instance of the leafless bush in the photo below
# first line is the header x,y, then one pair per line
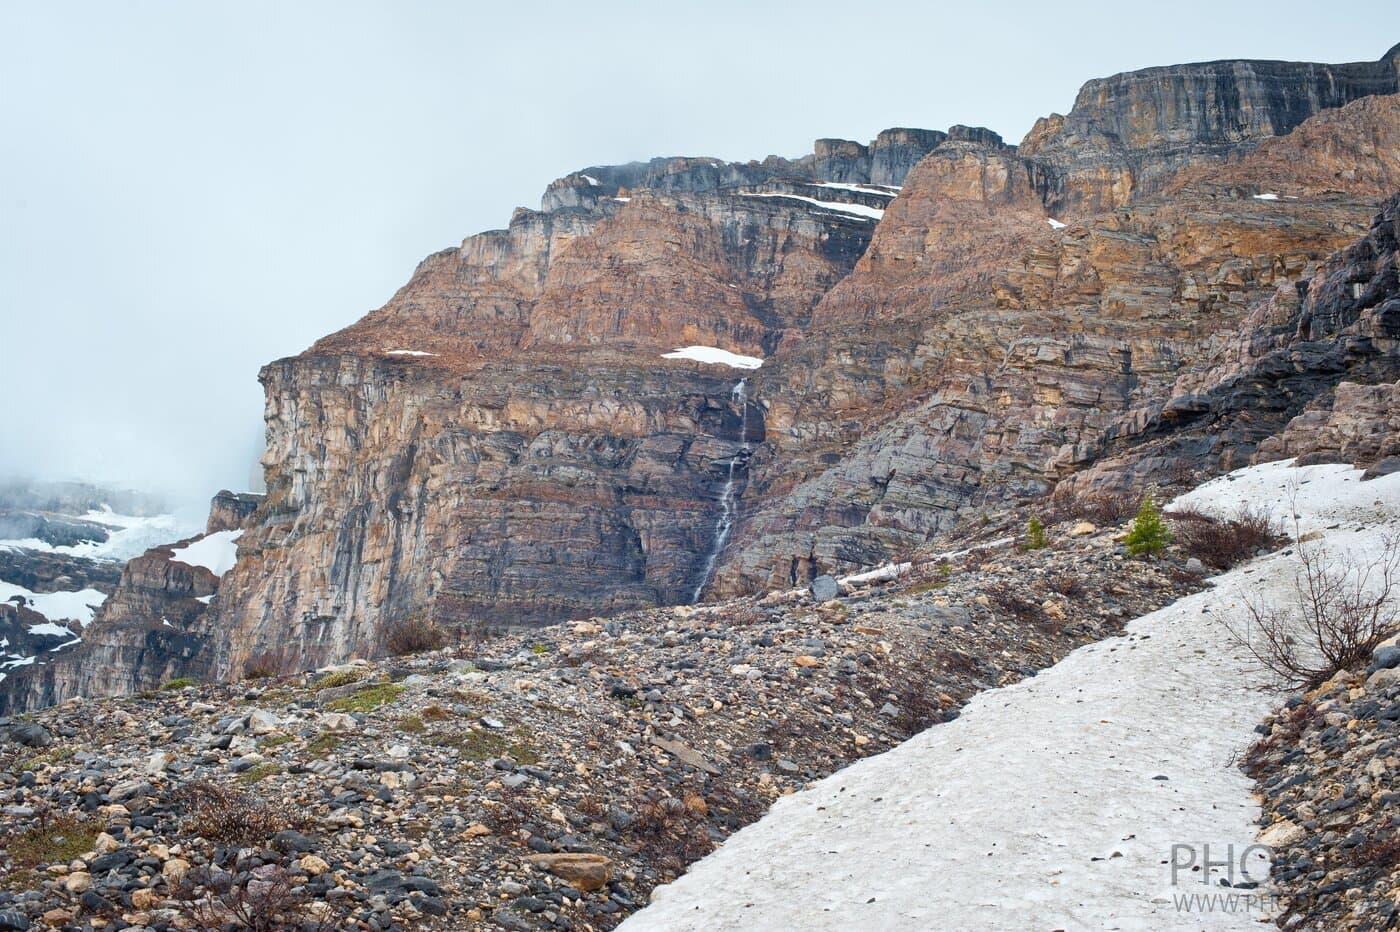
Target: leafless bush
x,y
1067,584
1009,604
265,901
1285,733
669,833
1223,543
1102,508
228,816
268,663
920,705
414,636
1341,606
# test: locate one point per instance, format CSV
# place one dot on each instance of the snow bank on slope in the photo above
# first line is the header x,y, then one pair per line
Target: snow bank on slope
x,y
715,356
1043,806
408,352
880,190
56,606
840,207
215,552
131,536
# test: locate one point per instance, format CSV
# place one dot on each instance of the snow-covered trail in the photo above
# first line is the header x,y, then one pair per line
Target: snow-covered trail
x,y
1044,805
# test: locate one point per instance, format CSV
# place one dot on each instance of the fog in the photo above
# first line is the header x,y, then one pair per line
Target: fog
x,y
189,191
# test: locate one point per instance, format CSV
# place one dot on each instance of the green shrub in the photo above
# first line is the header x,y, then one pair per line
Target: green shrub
x,y
180,683
1148,536
1035,534
339,678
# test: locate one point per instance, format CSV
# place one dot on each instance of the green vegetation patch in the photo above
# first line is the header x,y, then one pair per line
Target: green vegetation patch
x,y
180,683
367,700
58,842
260,772
339,678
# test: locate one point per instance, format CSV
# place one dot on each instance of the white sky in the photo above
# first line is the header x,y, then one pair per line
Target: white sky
x,y
189,190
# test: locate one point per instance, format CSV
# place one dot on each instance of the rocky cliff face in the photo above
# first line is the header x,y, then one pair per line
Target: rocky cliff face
x,y
1127,134
944,319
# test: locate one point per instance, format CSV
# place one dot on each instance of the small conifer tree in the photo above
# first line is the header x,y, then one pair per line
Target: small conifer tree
x,y
1148,536
1035,534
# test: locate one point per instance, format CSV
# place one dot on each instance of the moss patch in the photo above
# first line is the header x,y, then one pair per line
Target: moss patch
x,y
260,772
486,745
59,842
339,678
180,683
323,746
367,700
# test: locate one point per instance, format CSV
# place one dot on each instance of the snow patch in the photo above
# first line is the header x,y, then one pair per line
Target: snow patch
x,y
215,552
206,599
1266,197
133,536
879,190
1059,797
19,662
76,606
858,210
591,180
1055,224
715,356
408,352
49,629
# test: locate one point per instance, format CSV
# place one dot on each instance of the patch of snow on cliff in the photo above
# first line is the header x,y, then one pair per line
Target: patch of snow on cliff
x,y
591,180
715,356
622,200
1266,197
408,352
858,210
132,535
215,552
880,190
17,662
49,629
206,599
1055,224
77,606
1056,801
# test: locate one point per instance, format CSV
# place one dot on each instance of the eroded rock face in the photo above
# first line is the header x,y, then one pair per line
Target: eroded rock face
x,y
1028,354
1128,133
503,443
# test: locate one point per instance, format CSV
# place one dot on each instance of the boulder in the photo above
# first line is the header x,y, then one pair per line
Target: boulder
x,y
587,872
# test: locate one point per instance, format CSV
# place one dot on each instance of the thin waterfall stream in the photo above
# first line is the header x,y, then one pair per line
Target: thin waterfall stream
x,y
729,497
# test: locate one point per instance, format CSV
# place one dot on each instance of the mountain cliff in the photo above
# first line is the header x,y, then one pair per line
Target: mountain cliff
x,y
943,321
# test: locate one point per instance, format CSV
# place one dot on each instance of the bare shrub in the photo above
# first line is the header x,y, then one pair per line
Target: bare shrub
x,y
414,636
1102,508
1223,543
1341,606
228,816
920,705
268,663
265,900
1067,584
1009,604
668,833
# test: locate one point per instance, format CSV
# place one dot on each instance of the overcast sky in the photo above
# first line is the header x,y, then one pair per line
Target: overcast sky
x,y
189,190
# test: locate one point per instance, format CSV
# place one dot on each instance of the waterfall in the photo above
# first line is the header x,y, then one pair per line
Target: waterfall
x,y
729,497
